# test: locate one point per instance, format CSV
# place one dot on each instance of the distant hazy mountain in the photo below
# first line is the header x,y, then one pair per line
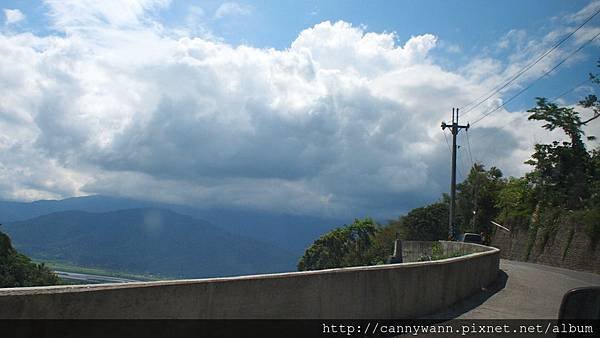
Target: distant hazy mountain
x,y
19,211
292,232
146,241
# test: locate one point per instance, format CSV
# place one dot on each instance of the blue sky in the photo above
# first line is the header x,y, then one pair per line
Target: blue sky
x,y
326,107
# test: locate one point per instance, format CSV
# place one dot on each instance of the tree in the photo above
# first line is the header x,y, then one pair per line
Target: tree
x,y
429,223
476,199
17,270
515,201
562,169
591,101
594,199
349,245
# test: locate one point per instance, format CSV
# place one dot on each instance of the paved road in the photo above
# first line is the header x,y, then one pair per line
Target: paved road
x,y
523,291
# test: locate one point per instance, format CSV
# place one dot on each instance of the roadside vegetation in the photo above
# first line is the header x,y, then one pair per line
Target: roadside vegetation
x,y
562,188
17,270
437,253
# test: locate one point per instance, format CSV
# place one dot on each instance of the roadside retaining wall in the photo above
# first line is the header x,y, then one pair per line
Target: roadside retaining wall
x,y
569,248
406,290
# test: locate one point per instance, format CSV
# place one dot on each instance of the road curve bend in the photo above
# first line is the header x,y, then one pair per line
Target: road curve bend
x,y
522,291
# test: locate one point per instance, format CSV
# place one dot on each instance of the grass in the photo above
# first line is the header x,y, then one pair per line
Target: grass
x,y
69,267
437,253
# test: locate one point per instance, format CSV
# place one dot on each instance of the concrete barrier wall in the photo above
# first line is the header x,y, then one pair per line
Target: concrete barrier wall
x,y
413,251
407,290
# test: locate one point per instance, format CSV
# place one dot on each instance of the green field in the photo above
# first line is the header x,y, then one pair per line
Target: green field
x,y
68,267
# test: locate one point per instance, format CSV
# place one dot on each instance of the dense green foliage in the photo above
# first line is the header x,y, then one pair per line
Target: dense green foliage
x,y
515,201
429,223
17,270
364,242
348,245
562,169
477,199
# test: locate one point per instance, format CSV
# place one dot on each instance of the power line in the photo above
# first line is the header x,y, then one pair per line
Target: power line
x,y
462,164
446,138
469,148
526,68
570,90
536,80
496,130
450,150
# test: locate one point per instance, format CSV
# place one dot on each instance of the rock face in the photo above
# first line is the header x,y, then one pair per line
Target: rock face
x,y
569,248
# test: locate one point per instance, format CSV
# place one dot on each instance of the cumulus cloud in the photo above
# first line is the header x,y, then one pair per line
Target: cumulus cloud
x,y
13,16
344,122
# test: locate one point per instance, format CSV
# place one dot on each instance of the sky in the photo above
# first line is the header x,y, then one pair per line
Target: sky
x,y
329,108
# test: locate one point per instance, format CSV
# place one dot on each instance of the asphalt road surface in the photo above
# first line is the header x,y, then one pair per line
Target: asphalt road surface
x,y
522,291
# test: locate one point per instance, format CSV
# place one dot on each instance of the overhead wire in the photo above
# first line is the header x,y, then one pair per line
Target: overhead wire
x,y
536,80
469,148
496,130
524,69
570,90
446,138
462,163
515,77
450,150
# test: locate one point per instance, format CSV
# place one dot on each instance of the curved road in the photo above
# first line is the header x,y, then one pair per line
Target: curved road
x,y
523,291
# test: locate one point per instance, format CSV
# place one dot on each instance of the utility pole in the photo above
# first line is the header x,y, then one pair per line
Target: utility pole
x,y
454,129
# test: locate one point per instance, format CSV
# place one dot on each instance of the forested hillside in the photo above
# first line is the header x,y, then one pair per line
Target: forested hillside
x,y
17,270
146,241
292,232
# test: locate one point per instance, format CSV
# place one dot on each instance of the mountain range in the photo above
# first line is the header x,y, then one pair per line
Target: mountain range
x,y
157,238
145,241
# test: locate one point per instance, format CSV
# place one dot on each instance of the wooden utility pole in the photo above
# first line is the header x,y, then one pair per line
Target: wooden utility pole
x,y
454,129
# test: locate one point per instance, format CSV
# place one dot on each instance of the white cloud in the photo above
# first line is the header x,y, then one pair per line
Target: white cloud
x,y
13,16
489,73
232,9
453,48
343,122
72,15
514,37
585,12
